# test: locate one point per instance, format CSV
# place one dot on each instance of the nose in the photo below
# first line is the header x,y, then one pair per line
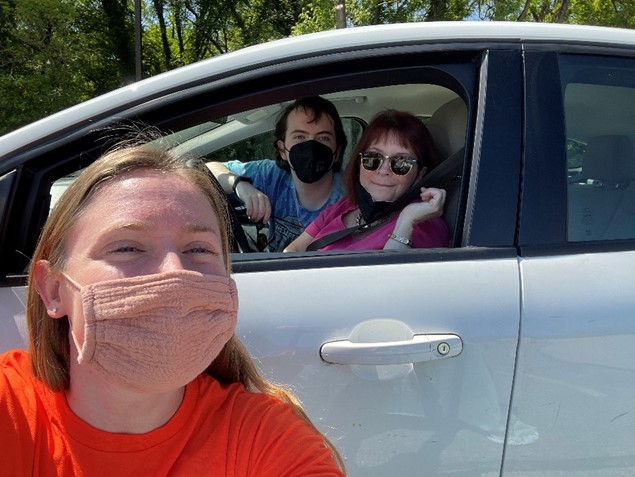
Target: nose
x,y
385,167
172,261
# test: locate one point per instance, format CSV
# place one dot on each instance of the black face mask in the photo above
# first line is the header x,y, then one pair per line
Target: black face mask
x,y
367,206
310,160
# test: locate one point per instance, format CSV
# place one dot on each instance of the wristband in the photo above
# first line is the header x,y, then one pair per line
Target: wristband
x,y
400,239
238,180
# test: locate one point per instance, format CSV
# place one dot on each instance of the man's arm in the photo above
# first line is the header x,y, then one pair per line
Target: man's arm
x,y
257,203
226,178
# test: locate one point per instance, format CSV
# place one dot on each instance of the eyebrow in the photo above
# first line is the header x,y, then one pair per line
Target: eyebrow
x,y
383,151
140,226
307,132
197,227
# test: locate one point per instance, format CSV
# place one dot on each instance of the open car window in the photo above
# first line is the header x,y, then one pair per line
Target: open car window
x,y
248,135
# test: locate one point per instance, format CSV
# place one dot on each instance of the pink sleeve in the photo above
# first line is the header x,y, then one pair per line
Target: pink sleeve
x,y
430,234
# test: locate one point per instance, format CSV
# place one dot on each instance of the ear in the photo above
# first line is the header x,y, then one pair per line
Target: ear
x,y
47,284
282,151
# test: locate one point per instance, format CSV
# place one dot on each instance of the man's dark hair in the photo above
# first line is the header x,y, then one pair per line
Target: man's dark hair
x,y
317,106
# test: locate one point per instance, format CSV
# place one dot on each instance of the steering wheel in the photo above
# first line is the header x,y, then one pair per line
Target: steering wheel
x,y
255,239
236,210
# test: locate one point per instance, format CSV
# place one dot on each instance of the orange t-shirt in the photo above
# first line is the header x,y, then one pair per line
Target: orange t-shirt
x,y
219,430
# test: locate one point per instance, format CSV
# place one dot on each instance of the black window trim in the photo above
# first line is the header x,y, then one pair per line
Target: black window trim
x,y
84,138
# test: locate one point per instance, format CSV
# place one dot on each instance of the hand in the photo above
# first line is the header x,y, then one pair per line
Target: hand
x,y
257,203
430,207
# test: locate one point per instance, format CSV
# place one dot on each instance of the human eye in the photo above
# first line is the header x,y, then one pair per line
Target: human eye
x,y
373,155
123,249
121,252
404,158
200,250
325,139
401,159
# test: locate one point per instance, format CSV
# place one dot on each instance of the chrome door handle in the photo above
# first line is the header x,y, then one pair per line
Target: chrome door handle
x,y
419,348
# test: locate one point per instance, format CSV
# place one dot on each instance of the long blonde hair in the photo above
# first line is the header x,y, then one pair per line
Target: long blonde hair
x,y
49,345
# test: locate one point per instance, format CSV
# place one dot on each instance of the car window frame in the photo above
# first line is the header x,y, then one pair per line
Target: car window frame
x,y
402,65
543,212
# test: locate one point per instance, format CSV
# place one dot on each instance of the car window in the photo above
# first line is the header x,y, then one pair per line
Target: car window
x,y
253,148
599,103
248,135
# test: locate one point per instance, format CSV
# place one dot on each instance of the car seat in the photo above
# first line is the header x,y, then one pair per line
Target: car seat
x,y
600,194
448,125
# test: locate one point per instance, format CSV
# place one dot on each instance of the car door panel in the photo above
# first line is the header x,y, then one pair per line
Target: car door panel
x,y
576,373
393,418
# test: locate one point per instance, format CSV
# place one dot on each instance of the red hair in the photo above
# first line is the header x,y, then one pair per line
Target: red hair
x,y
406,129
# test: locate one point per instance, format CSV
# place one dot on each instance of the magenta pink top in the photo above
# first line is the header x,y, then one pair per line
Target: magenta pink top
x,y
428,234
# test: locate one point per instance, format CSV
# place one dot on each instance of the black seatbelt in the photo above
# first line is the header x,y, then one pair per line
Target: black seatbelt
x,y
340,234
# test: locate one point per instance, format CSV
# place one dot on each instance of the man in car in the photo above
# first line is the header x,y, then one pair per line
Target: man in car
x,y
290,192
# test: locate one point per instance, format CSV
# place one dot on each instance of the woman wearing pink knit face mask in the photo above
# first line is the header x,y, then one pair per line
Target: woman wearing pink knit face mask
x,y
133,368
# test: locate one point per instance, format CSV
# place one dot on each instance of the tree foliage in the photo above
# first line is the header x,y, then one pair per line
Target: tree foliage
x,y
55,53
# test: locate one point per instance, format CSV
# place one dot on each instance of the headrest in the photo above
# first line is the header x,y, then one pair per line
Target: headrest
x,y
447,126
609,158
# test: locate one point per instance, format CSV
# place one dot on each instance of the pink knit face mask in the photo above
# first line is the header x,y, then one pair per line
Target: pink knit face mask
x,y
155,333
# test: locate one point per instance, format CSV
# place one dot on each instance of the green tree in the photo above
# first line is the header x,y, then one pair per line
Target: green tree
x,y
616,13
106,28
56,53
320,15
190,30
37,59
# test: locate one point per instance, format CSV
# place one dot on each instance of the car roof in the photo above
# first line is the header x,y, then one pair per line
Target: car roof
x,y
307,45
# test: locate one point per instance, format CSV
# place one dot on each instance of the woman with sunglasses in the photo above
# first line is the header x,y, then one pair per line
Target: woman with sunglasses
x,y
394,153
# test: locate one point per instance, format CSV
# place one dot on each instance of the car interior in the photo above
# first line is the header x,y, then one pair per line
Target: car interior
x,y
601,156
602,193
248,135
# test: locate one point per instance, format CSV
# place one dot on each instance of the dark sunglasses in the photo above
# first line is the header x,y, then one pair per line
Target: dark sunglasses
x,y
400,164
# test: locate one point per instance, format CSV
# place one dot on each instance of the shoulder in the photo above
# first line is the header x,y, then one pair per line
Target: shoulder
x,y
341,207
240,402
268,177
331,213
21,412
17,381
15,363
337,192
235,400
269,434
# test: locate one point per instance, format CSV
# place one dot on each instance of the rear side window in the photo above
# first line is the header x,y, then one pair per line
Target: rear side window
x,y
599,101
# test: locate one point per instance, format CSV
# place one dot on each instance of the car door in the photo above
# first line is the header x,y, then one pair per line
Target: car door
x,y
576,372
322,322
405,359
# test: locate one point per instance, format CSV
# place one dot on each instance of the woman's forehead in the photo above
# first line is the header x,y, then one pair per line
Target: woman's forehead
x,y
391,136
149,188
